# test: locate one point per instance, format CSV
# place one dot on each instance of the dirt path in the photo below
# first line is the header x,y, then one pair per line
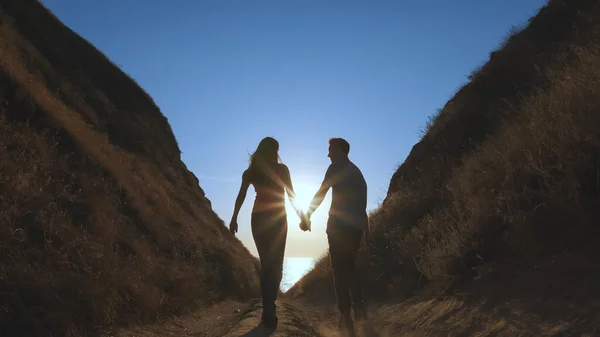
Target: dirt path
x,y
295,320
450,316
234,319
212,322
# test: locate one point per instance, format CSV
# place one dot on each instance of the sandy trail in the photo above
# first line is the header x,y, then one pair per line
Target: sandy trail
x,y
450,316
235,319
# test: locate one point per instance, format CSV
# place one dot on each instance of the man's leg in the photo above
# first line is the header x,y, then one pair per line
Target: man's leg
x,y
339,265
353,241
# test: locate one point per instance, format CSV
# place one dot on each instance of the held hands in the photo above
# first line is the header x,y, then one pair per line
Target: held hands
x,y
305,224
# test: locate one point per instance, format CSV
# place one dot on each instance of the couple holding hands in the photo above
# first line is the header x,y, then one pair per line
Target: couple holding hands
x,y
346,224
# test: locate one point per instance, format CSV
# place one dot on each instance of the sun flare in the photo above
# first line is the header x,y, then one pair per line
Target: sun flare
x,y
304,195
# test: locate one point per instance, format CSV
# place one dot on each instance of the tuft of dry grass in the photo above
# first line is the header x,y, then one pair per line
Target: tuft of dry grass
x,y
101,224
508,171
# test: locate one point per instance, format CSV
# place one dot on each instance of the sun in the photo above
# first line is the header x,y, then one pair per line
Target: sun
x,y
304,194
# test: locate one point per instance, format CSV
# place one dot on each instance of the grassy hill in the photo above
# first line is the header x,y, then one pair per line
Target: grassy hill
x,y
101,223
501,194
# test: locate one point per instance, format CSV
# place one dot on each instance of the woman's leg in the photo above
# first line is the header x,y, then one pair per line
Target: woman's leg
x,y
256,221
270,233
260,224
278,238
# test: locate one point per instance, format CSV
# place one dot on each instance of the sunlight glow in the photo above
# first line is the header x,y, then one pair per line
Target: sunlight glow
x,y
304,194
300,243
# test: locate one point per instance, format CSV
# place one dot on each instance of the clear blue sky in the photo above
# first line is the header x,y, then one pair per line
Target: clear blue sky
x,y
228,73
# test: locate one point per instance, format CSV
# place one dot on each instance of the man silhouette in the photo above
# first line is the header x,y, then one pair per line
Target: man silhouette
x,y
347,223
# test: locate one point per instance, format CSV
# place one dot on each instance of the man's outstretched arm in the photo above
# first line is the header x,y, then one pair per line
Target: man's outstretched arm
x,y
321,193
317,199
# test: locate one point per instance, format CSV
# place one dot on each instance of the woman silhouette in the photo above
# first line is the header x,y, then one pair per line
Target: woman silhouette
x,y
271,179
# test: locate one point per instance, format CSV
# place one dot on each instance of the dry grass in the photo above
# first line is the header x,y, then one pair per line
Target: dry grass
x,y
101,223
529,186
509,171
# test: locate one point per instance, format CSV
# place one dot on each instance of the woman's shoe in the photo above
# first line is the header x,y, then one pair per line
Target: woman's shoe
x,y
269,317
270,322
346,326
360,315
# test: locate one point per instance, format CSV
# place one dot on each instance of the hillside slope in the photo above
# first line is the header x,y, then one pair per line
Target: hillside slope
x,y
101,223
504,181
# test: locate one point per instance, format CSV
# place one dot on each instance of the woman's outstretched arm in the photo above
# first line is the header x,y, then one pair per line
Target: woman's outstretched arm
x,y
289,187
239,201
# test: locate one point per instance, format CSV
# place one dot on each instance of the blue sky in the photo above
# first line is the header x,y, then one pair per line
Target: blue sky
x,y
228,73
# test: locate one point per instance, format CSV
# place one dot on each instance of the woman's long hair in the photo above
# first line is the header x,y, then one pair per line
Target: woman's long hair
x,y
266,155
264,173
